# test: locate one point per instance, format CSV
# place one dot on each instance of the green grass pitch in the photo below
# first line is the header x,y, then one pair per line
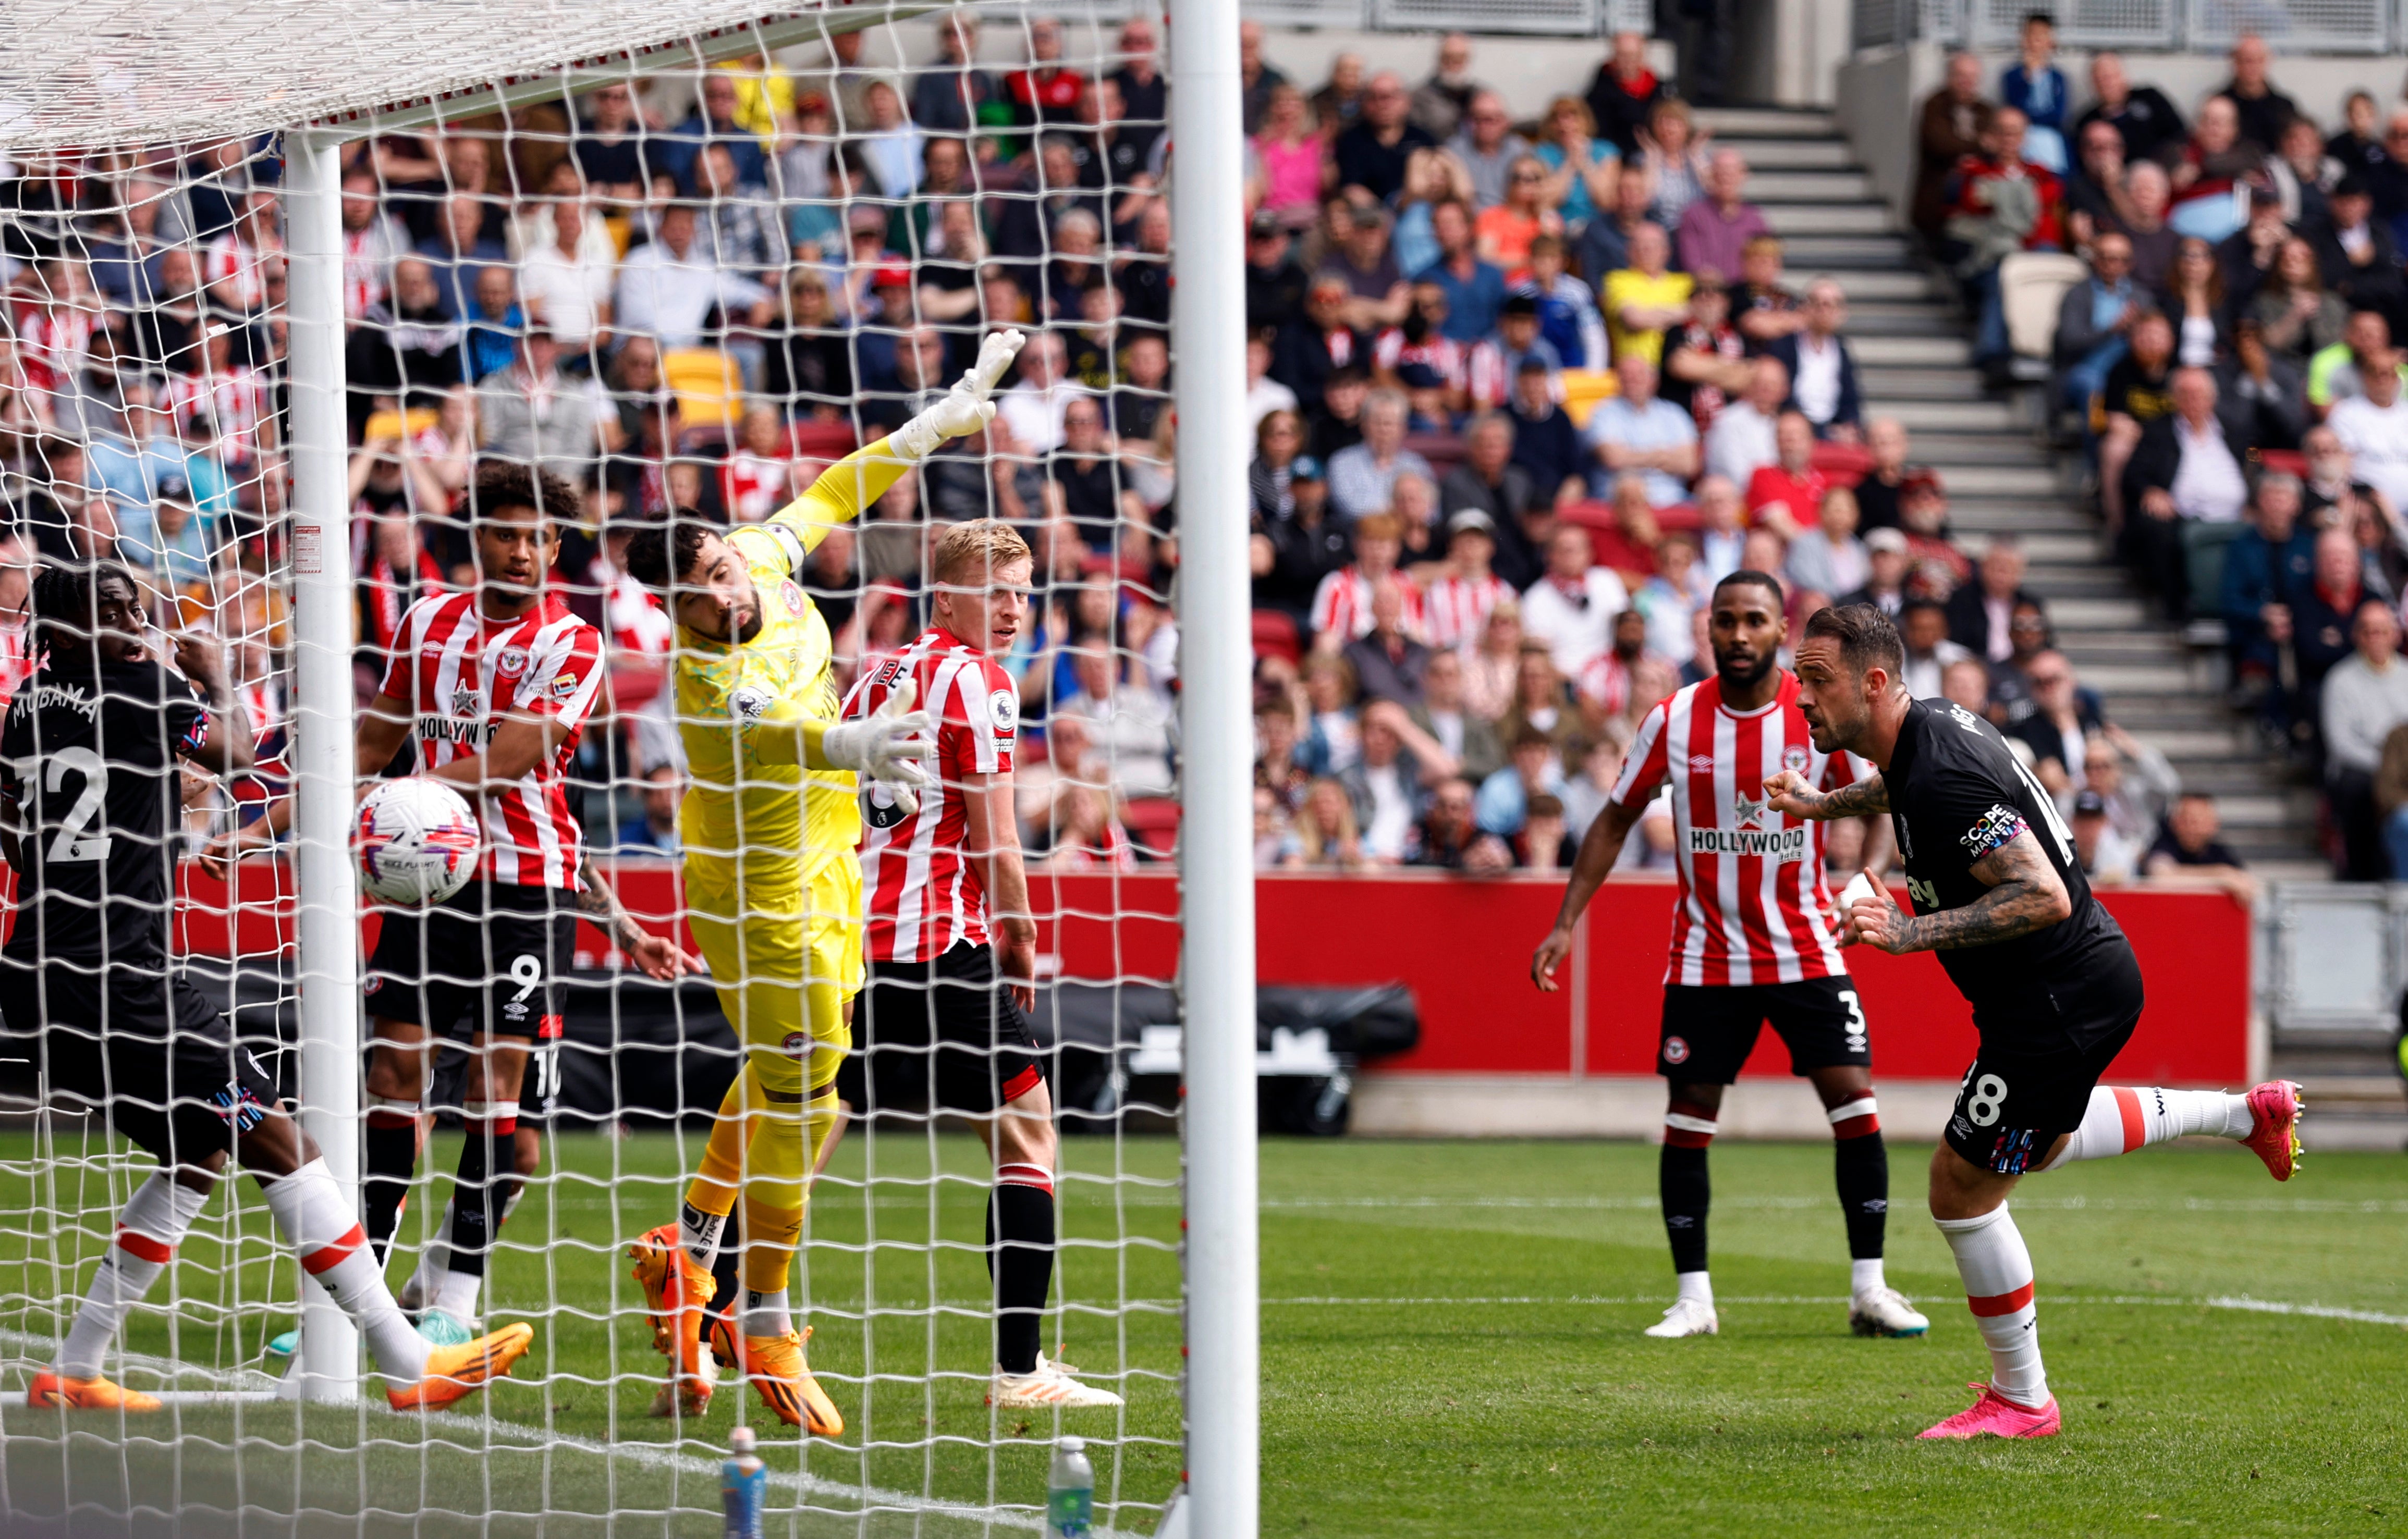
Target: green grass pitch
x,y
1449,1346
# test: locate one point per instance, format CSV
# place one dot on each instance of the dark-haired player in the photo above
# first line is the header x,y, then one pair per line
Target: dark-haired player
x,y
2055,987
494,684
1753,941
89,772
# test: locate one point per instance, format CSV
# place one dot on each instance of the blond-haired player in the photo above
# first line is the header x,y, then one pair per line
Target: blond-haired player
x,y
772,886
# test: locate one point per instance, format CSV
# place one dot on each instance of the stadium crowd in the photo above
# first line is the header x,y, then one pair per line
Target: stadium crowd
x,y
1524,388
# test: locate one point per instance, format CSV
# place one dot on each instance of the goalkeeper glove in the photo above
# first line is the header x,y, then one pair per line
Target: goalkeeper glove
x,y
888,745
965,408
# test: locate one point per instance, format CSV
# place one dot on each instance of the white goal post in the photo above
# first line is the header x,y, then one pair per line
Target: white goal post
x,y
324,72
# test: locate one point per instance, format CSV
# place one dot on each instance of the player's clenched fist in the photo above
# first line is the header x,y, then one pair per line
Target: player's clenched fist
x,y
1791,794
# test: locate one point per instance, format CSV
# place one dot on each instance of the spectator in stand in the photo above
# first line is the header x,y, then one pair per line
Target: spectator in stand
x,y
458,253
1339,100
1672,597
2338,372
564,281
2391,800
1967,683
2303,176
1342,607
2364,697
2261,398
2151,126
2296,314
1764,308
1475,289
1637,430
1450,839
2261,112
2105,856
1279,443
1922,627
2148,203
1885,567
1459,737
1258,76
1326,833
2359,144
1570,609
1388,664
1492,668
2035,87
1624,97
1981,613
1949,130
1275,280
2093,320
1628,548
2359,256
1545,845
2185,470
529,413
654,829
1706,363
2372,426
1745,436
1604,244
1785,496
1492,484
954,95
1546,442
1568,319
1503,803
1675,160
670,289
1317,344
2220,158
1295,555
1457,606
1288,156
2056,729
1505,232
2097,191
1716,228
1377,293
1581,168
1828,558
1029,416
1371,155
2263,567
2189,849
2139,390
2003,203
1645,299
1604,688
1363,478
2194,302
1487,147
1130,722
1722,527
1385,786
1823,382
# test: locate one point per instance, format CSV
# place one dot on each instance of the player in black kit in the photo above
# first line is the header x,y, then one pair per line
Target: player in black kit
x,y
89,803
2055,988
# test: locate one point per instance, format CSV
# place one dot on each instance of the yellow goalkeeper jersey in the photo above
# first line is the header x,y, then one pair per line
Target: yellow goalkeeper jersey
x,y
739,806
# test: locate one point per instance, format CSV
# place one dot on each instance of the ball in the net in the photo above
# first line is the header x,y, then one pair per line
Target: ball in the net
x,y
416,842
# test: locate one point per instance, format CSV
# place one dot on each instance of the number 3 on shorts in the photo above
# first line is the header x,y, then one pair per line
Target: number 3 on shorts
x,y
1989,1094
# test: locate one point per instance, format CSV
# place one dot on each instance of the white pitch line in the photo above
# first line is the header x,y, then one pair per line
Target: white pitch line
x,y
2022,1201
240,1384
2260,1306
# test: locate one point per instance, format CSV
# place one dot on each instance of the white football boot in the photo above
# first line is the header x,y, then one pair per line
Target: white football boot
x,y
1049,1387
1686,1317
1884,1312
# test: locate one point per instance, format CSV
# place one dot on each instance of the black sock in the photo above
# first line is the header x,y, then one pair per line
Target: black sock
x,y
727,1297
1862,1166
476,1196
1686,1193
1021,1267
392,1151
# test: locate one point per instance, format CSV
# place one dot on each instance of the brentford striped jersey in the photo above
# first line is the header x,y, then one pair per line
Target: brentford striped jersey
x,y
1752,902
920,891
460,673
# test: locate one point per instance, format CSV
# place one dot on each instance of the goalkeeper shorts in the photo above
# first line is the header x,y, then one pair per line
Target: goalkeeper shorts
x,y
784,957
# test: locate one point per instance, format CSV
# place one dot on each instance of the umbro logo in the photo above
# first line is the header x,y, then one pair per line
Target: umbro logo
x,y
1701,764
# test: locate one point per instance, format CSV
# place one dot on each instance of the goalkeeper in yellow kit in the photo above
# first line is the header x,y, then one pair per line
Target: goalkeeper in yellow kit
x,y
772,888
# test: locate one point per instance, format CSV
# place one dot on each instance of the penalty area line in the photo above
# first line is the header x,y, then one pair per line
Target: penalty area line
x,y
246,1383
2241,1303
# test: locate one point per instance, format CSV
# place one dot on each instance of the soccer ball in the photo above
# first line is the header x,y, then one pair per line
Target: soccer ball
x,y
416,842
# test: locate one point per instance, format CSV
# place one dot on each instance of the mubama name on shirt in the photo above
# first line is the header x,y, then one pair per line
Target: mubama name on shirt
x,y
1957,794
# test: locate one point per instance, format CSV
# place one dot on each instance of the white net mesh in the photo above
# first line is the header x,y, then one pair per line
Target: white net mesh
x,y
716,256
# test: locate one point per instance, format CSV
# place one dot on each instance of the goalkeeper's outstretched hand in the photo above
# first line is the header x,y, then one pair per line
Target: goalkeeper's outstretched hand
x,y
891,745
967,407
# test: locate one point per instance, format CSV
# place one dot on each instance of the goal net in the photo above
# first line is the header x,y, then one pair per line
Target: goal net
x,y
679,257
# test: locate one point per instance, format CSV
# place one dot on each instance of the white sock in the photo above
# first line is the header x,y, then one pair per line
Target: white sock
x,y
766,1314
459,1295
1695,1285
1997,1273
309,1210
2121,1118
698,1232
1864,1276
153,1223
433,1260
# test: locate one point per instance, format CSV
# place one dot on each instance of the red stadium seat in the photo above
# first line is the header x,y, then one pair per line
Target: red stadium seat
x,y
1152,824
1443,450
817,440
2286,460
1275,636
1844,465
1593,513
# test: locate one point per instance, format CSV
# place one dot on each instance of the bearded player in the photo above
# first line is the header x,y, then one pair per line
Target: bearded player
x,y
1752,942
773,888
2055,990
953,945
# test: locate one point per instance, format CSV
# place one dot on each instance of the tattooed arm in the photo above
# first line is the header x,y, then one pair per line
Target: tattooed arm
x,y
1788,793
2026,894
656,956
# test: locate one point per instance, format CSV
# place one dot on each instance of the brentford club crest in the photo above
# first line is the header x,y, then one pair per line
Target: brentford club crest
x,y
510,662
1676,1050
1795,758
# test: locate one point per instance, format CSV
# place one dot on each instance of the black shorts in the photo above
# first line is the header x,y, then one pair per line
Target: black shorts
x,y
938,1035
2030,1082
489,960
1708,1032
145,1049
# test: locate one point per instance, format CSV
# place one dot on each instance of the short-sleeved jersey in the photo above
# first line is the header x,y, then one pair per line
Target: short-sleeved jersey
x,y
461,674
88,757
740,805
921,892
1752,905
1956,792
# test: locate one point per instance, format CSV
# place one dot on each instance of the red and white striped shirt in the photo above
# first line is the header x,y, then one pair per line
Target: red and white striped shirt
x,y
1343,604
920,893
1455,609
1752,900
753,486
460,673
237,403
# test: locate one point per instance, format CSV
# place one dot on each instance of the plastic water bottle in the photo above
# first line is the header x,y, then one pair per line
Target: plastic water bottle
x,y
743,1483
1070,1496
